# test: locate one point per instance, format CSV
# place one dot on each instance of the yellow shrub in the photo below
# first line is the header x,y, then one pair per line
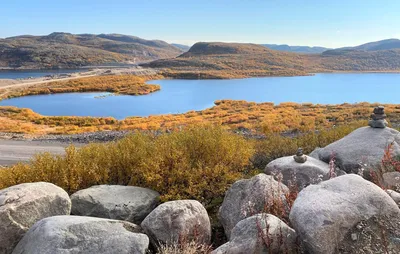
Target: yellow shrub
x,y
199,163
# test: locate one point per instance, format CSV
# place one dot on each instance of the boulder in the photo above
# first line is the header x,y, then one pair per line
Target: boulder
x,y
178,220
84,235
394,195
260,233
345,215
117,202
23,205
391,180
312,171
362,149
251,196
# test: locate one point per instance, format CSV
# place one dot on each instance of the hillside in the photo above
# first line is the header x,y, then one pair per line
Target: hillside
x,y
64,50
355,60
296,49
231,60
371,46
238,60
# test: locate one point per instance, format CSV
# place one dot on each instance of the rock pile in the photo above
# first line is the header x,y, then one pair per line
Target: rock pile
x,y
378,118
300,157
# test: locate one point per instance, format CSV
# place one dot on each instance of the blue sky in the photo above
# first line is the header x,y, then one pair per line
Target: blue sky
x,y
334,23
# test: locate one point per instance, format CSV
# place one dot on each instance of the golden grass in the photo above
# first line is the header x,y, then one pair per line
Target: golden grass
x,y
121,84
259,117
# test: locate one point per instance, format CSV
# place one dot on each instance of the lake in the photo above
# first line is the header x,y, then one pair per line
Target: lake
x,y
180,96
19,74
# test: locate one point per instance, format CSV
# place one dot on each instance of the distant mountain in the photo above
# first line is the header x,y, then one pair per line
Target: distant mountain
x,y
181,46
296,49
371,46
65,50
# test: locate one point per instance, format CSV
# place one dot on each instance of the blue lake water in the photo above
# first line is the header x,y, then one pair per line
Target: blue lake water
x,y
34,73
179,96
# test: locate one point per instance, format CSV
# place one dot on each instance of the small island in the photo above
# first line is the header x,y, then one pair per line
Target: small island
x,y
120,84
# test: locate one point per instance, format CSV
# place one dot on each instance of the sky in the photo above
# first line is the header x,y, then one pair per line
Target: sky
x,y
334,23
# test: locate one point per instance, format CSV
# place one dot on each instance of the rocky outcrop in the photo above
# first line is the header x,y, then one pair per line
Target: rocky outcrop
x,y
127,203
362,149
260,233
84,235
344,215
174,221
23,205
311,171
248,197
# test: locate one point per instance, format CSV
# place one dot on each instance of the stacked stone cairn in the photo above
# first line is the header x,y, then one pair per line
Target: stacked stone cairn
x,y
300,157
378,118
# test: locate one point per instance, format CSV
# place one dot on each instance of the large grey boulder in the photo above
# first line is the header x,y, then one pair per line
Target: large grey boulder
x,y
394,195
312,171
363,148
117,202
260,233
83,235
23,205
251,196
391,180
178,220
345,215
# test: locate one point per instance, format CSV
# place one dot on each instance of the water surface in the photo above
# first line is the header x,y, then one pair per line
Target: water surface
x,y
180,96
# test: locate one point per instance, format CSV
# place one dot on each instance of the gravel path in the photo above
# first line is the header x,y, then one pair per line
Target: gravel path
x,y
13,151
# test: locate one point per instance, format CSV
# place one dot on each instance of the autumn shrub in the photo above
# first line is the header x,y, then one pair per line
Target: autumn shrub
x,y
197,163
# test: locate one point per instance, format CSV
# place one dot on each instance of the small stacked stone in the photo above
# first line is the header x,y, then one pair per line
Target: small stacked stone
x,y
300,157
378,118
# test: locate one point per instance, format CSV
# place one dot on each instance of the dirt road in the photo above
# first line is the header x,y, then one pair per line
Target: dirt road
x,y
12,151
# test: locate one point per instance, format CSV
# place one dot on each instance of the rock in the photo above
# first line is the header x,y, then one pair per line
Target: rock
x,y
394,195
391,180
250,196
117,202
362,149
23,205
84,235
380,123
326,215
178,220
260,233
312,171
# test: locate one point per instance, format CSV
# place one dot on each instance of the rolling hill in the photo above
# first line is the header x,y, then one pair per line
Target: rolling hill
x,y
237,60
231,60
64,50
